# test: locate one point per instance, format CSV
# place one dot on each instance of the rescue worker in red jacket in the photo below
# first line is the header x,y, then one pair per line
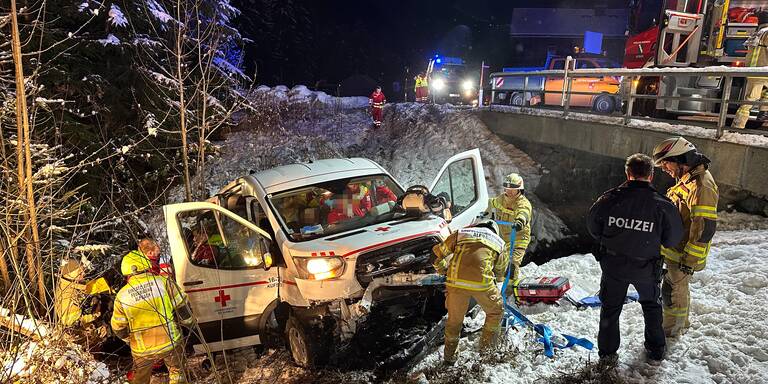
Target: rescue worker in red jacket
x,y
377,101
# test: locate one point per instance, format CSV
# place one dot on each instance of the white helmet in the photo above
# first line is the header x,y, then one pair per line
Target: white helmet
x,y
674,146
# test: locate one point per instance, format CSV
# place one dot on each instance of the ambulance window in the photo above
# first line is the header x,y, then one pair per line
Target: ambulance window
x,y
215,240
457,184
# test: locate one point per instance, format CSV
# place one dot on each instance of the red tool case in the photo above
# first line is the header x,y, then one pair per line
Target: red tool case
x,y
547,290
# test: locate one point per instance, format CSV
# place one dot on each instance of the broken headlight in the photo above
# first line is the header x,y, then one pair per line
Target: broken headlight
x,y
320,268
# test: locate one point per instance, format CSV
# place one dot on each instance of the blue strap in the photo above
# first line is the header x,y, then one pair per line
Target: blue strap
x,y
513,317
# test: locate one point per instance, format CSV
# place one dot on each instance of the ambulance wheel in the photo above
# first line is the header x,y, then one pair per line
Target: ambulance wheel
x,y
604,104
306,348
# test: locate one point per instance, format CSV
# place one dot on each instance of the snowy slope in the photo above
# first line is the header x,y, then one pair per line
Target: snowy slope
x,y
726,343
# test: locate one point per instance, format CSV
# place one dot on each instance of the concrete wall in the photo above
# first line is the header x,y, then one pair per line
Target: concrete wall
x,y
738,166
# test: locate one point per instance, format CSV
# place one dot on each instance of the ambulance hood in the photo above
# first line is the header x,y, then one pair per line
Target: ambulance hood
x,y
369,238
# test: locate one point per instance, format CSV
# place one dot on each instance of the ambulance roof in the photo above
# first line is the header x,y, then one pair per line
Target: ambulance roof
x,y
297,175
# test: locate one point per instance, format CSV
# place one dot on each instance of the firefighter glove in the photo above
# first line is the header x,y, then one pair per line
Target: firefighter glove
x,y
519,225
686,269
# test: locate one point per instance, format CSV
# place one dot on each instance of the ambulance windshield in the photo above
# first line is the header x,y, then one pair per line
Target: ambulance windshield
x,y
336,206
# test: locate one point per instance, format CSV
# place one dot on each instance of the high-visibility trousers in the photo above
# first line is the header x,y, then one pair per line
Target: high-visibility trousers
x,y
421,94
676,297
376,113
174,360
456,302
755,87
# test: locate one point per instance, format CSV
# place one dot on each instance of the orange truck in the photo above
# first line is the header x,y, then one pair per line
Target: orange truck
x,y
512,89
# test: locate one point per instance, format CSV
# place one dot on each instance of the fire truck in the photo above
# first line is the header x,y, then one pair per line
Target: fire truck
x,y
688,33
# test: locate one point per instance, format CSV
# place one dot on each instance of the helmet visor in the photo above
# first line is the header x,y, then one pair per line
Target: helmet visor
x,y
511,185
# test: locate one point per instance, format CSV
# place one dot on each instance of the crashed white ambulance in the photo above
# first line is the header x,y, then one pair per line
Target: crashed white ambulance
x,y
297,251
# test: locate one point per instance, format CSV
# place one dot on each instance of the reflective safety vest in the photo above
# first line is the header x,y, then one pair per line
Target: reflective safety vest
x,y
695,196
421,82
145,305
477,262
506,209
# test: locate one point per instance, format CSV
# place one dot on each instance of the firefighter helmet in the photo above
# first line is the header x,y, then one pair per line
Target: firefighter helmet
x,y
72,270
671,148
487,223
513,181
134,262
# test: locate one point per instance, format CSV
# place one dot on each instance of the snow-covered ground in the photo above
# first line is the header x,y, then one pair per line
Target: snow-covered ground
x,y
726,343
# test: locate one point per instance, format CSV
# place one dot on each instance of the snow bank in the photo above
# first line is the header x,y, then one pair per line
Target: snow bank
x,y
726,343
672,129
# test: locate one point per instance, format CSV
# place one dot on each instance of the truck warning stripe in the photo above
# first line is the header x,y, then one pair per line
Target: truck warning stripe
x,y
228,286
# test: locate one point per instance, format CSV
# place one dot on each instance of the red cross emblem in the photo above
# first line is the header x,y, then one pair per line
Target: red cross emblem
x,y
382,229
222,298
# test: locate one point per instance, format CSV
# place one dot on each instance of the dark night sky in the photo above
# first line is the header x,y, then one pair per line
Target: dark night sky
x,y
317,42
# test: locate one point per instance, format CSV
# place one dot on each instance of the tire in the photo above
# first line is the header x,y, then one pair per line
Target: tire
x,y
306,346
517,99
604,104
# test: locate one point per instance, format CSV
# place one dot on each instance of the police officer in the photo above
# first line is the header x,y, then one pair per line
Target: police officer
x,y
630,223
473,262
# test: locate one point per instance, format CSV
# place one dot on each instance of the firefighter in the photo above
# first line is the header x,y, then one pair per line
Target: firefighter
x,y
145,314
377,101
695,195
421,88
513,207
630,223
757,56
476,264
74,309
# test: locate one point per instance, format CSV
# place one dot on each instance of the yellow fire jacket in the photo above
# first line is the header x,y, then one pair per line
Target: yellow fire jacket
x,y
477,261
68,300
145,307
510,210
695,196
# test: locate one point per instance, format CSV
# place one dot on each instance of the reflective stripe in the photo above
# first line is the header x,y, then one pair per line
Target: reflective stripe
x,y
467,285
695,250
704,211
671,254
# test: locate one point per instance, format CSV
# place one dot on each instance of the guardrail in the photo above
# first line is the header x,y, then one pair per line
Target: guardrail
x,y
713,100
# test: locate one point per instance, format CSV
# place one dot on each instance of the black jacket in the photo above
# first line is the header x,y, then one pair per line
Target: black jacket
x,y
629,224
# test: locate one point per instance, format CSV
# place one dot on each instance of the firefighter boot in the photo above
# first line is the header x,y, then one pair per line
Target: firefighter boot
x,y
762,116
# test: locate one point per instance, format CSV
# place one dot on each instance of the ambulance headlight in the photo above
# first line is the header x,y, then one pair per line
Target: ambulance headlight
x,y
438,84
320,268
467,85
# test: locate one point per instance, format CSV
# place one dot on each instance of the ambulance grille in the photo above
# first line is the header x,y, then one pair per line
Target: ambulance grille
x,y
396,258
